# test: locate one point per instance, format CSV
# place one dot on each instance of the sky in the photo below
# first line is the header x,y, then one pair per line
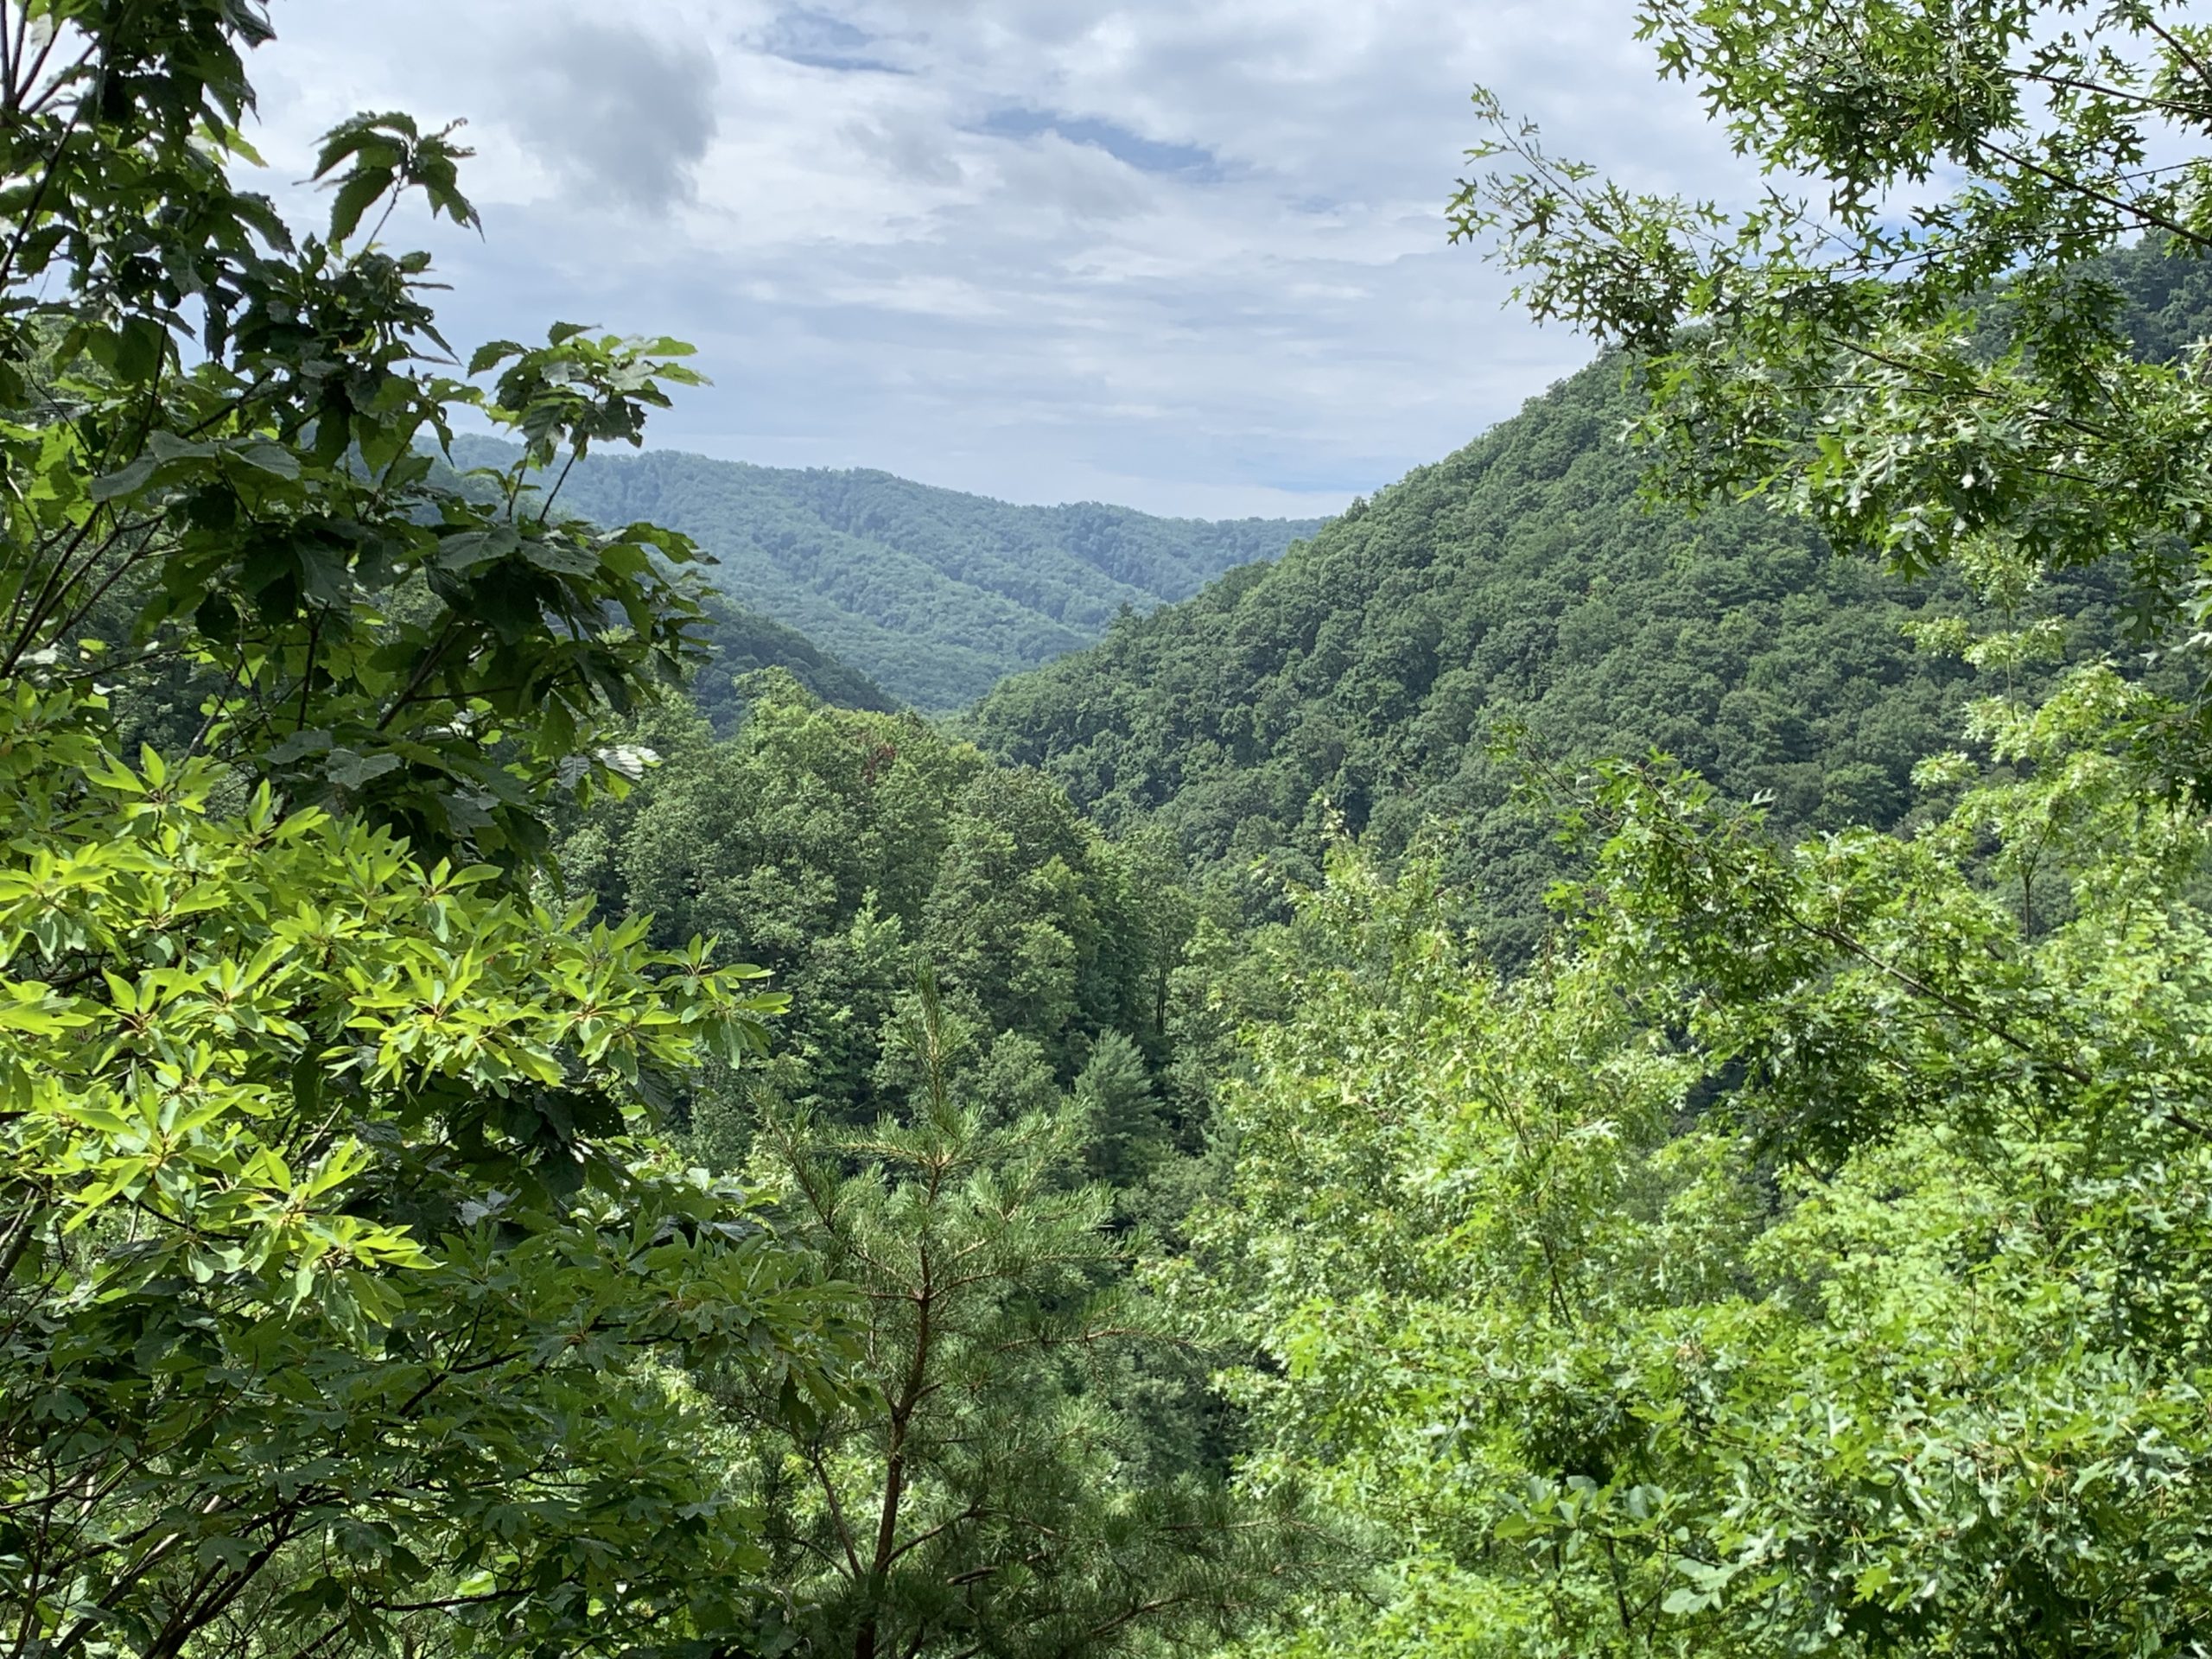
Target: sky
x,y
1188,256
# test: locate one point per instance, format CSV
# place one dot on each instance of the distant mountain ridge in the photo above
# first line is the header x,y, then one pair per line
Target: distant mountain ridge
x,y
934,595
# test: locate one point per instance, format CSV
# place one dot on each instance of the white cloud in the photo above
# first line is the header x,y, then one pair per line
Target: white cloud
x,y
622,117
1191,257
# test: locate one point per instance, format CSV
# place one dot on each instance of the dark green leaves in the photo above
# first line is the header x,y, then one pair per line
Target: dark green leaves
x,y
384,156
344,1277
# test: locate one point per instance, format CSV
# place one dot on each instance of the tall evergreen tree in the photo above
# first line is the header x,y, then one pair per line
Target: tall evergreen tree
x,y
991,1489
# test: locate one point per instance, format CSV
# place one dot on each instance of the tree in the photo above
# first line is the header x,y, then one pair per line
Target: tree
x,y
241,497
1926,352
845,850
345,1283
1809,1260
337,1252
1126,1137
990,1489
1795,1260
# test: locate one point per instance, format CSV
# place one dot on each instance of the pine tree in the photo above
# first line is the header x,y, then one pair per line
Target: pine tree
x,y
989,1493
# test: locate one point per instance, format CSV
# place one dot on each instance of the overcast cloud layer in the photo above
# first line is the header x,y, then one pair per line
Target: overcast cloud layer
x,y
1186,255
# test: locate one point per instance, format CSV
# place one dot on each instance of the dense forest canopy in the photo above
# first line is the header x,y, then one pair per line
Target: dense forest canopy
x,y
1608,1058
851,853
933,593
1527,599
1807,1254
1523,587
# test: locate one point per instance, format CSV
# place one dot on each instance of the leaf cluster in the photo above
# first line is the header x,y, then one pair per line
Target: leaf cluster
x,y
340,1269
210,430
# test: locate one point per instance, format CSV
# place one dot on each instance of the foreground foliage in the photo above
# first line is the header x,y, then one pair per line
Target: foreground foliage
x,y
1806,1252
336,1261
210,428
1813,1260
345,1286
1810,1256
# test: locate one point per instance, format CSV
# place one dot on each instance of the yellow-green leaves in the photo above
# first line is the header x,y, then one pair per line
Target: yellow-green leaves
x,y
332,1196
1814,1256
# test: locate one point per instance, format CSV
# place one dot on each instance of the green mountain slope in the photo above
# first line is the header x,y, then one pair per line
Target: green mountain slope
x,y
744,642
1521,583
742,639
933,593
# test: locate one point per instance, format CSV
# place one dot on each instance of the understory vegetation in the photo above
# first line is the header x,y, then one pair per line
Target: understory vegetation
x,y
1609,1057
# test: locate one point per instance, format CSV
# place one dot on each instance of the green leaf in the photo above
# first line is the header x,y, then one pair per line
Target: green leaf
x,y
560,557
359,189
350,770
124,481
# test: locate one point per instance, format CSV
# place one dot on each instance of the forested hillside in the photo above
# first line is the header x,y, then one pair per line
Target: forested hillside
x,y
851,852
743,643
934,595
1743,1274
1522,590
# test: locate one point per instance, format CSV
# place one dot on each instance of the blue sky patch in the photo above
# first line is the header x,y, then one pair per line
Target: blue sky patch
x,y
821,41
1132,148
